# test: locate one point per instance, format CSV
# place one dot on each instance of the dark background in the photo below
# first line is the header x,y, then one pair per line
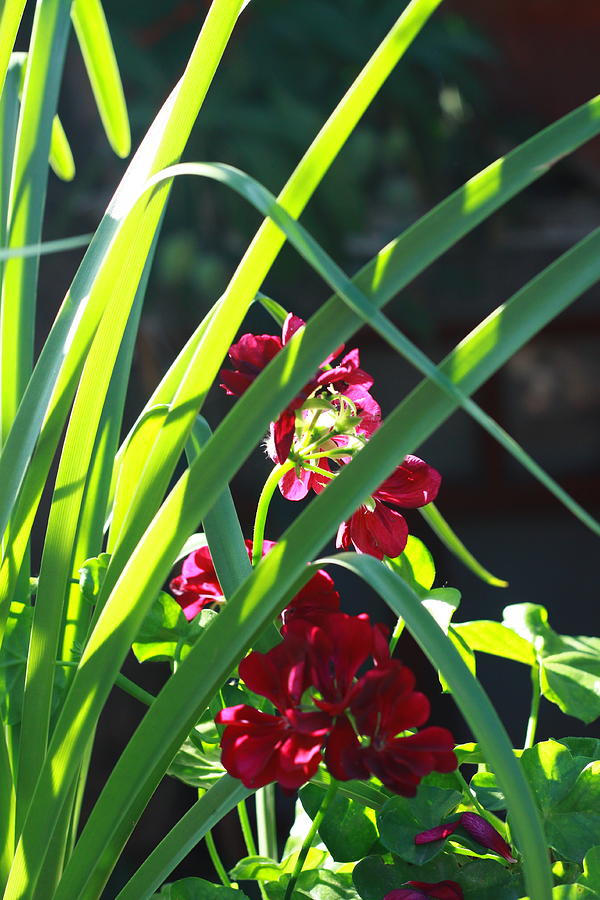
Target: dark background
x,y
480,78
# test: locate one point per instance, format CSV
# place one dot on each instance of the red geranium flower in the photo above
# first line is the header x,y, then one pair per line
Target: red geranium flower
x,y
337,646
252,353
296,483
198,586
475,826
380,531
259,748
422,890
384,704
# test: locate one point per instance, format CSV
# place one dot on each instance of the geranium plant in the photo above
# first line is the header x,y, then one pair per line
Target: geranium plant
x,y
271,681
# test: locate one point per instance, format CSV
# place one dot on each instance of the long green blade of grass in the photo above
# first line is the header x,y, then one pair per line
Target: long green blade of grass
x,y
11,14
27,198
97,50
208,664
477,710
60,245
61,157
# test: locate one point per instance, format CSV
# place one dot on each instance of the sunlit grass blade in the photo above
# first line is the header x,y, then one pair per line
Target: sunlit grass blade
x,y
113,264
128,471
221,524
61,158
90,526
27,196
189,831
477,710
11,14
450,539
189,690
97,50
7,811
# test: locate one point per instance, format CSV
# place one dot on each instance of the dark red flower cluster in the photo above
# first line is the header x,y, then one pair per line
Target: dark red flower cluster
x,y
325,708
328,422
422,890
198,586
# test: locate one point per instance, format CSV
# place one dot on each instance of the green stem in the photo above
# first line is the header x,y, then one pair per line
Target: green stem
x,y
318,470
308,840
263,508
471,798
266,821
121,681
216,859
535,706
246,828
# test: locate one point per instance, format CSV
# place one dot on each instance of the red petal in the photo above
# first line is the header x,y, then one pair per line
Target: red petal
x,y
414,483
283,434
295,484
291,325
439,833
481,830
383,532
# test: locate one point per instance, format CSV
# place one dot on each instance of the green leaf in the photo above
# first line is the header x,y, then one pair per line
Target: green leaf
x,y
415,565
13,656
91,576
572,681
570,665
256,868
591,869
485,879
315,884
496,639
480,880
166,634
198,889
198,768
488,792
401,819
348,829
567,792
373,878
582,746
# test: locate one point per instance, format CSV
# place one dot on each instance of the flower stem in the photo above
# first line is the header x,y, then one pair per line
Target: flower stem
x,y
308,840
263,507
249,839
121,681
470,796
318,470
216,859
246,828
535,706
266,821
